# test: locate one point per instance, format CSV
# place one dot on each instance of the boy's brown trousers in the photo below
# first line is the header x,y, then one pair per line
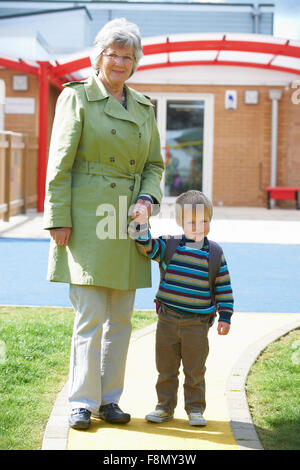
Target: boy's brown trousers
x,y
181,338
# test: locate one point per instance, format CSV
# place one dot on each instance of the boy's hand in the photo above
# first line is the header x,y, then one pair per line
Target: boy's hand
x,y
223,328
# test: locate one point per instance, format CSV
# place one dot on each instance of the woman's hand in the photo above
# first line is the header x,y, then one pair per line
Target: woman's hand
x,y
61,235
141,211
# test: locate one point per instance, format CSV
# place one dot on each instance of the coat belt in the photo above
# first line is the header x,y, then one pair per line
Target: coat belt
x,y
97,168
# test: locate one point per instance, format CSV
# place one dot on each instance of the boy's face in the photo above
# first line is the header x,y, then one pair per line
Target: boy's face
x,y
196,225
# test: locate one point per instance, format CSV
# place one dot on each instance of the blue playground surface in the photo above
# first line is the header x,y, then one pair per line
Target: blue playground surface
x,y
265,278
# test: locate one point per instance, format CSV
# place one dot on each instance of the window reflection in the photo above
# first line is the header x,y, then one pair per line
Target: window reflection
x,y
184,146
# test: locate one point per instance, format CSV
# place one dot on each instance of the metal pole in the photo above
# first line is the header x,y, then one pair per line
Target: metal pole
x,y
273,173
2,104
7,177
256,14
275,96
43,134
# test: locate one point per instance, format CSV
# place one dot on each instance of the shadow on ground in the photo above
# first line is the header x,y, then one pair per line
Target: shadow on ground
x,y
175,434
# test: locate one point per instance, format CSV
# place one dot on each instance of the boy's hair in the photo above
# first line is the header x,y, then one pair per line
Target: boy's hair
x,y
191,199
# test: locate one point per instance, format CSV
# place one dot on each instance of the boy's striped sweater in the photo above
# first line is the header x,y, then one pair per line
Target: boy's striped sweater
x,y
185,287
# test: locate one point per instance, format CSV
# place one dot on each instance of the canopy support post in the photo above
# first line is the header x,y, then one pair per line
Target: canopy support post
x,y
43,133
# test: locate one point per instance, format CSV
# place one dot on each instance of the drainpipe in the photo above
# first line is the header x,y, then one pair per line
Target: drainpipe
x,y
256,14
2,104
275,96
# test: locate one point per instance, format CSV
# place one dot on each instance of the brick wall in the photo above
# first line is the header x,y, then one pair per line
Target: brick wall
x,y
24,123
242,143
27,123
293,136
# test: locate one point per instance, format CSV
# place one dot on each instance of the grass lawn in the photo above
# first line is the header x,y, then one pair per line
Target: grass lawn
x,y
273,392
34,366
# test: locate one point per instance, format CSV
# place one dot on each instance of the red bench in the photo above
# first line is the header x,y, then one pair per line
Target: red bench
x,y
283,193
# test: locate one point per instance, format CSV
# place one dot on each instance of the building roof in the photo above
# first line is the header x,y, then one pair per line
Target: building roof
x,y
167,16
13,14
90,2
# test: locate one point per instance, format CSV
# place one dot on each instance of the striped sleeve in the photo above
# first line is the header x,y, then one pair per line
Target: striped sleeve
x,y
223,292
153,248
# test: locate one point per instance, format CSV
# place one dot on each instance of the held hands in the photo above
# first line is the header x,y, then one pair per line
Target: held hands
x,y
61,235
141,211
223,328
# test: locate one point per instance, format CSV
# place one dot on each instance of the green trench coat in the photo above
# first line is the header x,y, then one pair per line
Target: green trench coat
x,y
100,151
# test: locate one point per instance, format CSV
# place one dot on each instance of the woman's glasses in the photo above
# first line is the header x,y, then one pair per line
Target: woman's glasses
x,y
127,59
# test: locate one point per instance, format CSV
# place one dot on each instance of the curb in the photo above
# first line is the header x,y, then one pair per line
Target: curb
x,y
57,428
240,418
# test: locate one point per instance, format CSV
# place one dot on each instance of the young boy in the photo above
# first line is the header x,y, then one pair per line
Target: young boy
x,y
186,309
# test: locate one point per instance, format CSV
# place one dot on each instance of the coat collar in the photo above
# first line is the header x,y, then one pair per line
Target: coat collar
x,y
137,105
94,89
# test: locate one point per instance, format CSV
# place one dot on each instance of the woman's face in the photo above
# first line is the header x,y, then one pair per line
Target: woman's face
x,y
115,65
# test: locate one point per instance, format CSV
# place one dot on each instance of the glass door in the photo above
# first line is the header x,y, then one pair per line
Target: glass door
x,y
185,122
183,146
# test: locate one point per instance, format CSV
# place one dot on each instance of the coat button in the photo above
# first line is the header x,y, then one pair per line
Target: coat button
x,y
131,188
132,162
140,134
112,159
113,131
113,185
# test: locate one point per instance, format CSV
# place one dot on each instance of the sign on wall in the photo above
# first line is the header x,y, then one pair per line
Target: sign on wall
x,y
20,105
230,99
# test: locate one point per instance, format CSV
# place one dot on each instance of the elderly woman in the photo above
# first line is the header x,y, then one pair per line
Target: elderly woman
x,y
104,159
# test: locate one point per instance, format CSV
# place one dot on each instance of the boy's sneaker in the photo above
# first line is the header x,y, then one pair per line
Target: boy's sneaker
x,y
158,416
196,419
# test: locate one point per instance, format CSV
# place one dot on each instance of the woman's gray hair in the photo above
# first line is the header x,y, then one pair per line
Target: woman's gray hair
x,y
121,32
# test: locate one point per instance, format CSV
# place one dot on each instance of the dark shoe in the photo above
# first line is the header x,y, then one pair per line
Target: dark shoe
x,y
113,414
80,418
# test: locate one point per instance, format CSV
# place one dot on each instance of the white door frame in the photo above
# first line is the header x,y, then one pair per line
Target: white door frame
x,y
208,131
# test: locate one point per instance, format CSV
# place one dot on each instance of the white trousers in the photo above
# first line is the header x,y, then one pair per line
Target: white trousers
x,y
100,341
